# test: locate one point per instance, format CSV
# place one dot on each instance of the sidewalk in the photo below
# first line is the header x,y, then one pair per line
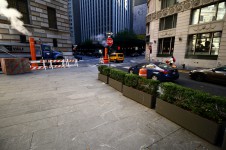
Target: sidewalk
x,y
69,109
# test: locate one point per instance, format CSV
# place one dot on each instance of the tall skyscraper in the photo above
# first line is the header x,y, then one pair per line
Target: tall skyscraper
x,y
71,20
101,16
139,16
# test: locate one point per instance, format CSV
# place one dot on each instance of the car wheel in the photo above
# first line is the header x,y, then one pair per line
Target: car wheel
x,y
115,60
199,77
154,77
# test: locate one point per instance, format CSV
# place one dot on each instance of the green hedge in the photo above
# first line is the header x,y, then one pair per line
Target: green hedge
x,y
117,75
198,102
105,70
131,80
148,86
101,67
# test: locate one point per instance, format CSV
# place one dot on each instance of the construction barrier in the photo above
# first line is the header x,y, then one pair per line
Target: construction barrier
x,y
41,64
57,61
68,61
38,67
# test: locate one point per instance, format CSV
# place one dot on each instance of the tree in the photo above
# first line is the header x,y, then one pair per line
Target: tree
x,y
128,40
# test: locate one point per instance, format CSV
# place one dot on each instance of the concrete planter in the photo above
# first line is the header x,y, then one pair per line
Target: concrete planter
x,y
200,126
115,84
103,78
139,96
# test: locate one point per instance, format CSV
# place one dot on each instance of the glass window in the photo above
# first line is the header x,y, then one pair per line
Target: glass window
x,y
22,7
167,3
168,22
208,14
204,44
52,17
166,45
195,16
191,44
221,10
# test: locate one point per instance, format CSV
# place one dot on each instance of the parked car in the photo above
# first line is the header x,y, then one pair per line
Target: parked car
x,y
216,75
157,71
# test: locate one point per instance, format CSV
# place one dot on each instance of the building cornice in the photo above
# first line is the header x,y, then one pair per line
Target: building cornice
x,y
179,7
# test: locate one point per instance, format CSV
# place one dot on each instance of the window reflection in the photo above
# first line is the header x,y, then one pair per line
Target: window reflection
x,y
195,16
167,3
204,44
168,22
209,13
221,11
166,45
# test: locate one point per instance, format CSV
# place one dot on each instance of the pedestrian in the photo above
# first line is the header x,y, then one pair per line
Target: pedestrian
x,y
172,60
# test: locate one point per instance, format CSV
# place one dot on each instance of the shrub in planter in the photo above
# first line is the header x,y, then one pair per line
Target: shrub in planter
x,y
131,80
103,73
106,71
101,67
197,111
148,86
198,102
117,75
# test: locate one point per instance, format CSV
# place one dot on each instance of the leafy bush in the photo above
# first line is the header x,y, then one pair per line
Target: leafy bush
x,y
117,75
101,67
105,70
131,80
198,102
148,86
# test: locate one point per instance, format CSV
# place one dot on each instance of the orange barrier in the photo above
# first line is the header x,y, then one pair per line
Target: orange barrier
x,y
143,72
68,61
36,62
57,66
38,67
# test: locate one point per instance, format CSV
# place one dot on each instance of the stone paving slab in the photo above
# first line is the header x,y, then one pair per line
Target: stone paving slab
x,y
69,109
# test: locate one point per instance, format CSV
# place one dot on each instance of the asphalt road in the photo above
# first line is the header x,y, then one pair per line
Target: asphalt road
x,y
183,80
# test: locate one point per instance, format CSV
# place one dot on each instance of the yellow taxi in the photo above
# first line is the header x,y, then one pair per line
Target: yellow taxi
x,y
116,57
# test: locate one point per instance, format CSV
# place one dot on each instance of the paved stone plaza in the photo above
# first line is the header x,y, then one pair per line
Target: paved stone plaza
x,y
69,109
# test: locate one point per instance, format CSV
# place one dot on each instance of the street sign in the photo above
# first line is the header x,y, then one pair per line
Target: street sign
x,y
109,41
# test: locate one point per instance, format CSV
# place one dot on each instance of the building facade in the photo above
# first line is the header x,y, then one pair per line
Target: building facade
x,y
46,20
71,20
101,16
139,16
194,31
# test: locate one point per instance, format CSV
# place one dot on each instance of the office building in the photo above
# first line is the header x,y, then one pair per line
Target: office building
x,y
46,20
139,16
194,31
98,17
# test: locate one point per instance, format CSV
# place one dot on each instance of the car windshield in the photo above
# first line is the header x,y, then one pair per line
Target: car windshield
x,y
164,66
120,55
